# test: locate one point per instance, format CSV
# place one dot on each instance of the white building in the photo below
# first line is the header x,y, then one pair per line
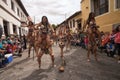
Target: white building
x,y
12,16
74,22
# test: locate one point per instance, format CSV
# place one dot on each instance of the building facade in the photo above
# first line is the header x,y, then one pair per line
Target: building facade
x,y
107,13
61,29
12,17
74,22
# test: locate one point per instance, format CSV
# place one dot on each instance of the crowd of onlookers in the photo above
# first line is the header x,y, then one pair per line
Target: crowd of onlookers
x,y
110,42
11,45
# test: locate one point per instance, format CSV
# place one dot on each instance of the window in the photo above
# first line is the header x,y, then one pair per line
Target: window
x,y
25,18
14,29
5,1
117,4
100,6
79,26
73,23
18,12
12,6
21,14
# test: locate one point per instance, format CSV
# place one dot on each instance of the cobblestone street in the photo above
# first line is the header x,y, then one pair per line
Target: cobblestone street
x,y
77,67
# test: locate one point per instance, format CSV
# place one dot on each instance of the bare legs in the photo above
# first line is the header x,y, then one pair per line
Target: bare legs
x,y
61,52
92,46
92,49
29,50
39,59
88,54
52,55
41,54
50,51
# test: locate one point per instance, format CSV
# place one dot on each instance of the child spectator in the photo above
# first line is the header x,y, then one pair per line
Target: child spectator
x,y
86,41
110,49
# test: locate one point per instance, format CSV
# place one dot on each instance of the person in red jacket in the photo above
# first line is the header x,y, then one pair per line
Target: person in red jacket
x,y
116,37
117,41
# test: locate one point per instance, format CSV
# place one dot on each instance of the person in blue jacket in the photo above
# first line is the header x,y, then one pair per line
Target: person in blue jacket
x,y
2,55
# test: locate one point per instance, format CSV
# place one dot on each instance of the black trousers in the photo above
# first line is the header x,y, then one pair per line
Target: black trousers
x,y
2,60
110,54
117,48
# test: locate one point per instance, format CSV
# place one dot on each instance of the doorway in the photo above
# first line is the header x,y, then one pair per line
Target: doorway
x,y
5,24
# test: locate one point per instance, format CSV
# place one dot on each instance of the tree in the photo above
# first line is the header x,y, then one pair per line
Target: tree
x,y
54,26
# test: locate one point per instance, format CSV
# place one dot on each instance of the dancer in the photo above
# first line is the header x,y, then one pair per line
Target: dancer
x,y
45,41
93,35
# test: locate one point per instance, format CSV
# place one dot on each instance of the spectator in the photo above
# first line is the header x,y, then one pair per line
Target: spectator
x,y
24,39
82,44
102,46
102,33
86,41
9,48
105,39
2,55
110,49
9,40
117,41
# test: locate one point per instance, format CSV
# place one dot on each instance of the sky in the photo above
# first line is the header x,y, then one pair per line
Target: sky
x,y
56,10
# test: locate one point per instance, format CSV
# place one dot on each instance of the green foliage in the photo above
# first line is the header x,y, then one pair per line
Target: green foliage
x,y
54,26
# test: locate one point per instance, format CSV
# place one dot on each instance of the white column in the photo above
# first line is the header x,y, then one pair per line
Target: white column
x,y
17,29
1,23
10,28
76,26
21,32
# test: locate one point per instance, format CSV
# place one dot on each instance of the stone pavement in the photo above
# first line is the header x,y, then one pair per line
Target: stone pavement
x,y
77,67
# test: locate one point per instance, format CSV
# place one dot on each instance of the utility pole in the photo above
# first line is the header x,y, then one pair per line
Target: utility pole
x,y
65,23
